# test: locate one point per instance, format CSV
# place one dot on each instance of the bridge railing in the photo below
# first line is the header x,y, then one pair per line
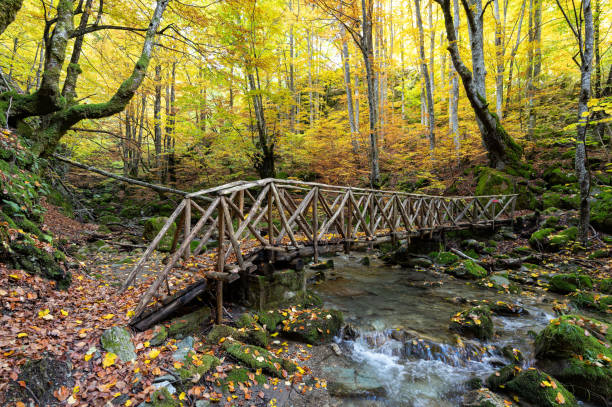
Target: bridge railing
x,y
289,214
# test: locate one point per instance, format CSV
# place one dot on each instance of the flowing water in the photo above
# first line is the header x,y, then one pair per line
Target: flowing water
x,y
404,345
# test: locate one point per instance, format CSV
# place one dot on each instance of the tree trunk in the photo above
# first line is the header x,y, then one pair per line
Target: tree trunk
x,y
513,54
426,78
367,50
157,141
582,172
536,63
502,149
310,81
453,107
349,91
8,11
500,47
264,159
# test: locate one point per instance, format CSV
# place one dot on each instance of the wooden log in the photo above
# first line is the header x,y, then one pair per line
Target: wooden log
x,y
230,233
283,218
134,273
219,318
315,224
297,212
187,296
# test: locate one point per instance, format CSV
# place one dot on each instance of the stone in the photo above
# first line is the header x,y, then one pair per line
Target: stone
x,y
41,377
165,385
118,341
252,333
468,269
256,357
160,333
499,280
494,182
547,239
315,327
444,258
532,386
351,383
482,398
601,210
325,265
152,227
577,350
474,322
184,346
569,283
188,324
557,176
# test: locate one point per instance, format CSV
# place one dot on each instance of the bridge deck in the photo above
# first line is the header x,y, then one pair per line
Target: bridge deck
x,y
281,215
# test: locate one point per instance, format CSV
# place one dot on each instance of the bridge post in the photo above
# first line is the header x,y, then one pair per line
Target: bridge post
x,y
315,224
349,225
393,220
220,261
187,219
270,224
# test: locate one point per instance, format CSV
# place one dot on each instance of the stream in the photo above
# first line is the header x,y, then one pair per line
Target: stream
x,y
404,354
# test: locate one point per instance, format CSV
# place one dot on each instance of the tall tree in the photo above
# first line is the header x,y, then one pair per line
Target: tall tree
x,y
502,150
349,91
364,41
426,78
453,104
581,25
47,100
535,62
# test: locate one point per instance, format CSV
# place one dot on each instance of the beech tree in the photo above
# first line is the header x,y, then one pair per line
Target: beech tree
x,y
57,103
581,25
502,150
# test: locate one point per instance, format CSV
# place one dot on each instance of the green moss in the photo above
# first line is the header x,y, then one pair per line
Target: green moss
x,y
163,398
444,258
196,365
528,386
599,254
551,222
605,285
241,375
568,283
253,334
556,176
256,357
468,269
551,200
539,237
601,210
313,326
577,350
474,322
270,319
188,324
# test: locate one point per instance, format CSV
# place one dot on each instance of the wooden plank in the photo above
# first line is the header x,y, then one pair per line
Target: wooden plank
x,y
297,213
315,224
334,217
187,218
283,218
229,229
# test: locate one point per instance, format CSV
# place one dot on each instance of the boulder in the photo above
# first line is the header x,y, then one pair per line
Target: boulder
x,y
351,383
196,365
551,200
569,283
41,377
494,182
577,351
482,398
253,334
468,269
444,258
152,227
601,210
315,327
188,324
547,239
532,386
256,357
474,322
557,176
118,341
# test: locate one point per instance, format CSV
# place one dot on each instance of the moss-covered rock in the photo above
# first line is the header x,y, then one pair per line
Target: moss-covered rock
x,y
475,322
601,210
41,378
118,341
482,397
197,365
577,351
313,326
605,285
547,239
568,283
163,398
256,357
494,182
153,226
551,200
594,302
550,222
468,269
557,176
532,386
253,334
109,219
188,324
444,258
240,375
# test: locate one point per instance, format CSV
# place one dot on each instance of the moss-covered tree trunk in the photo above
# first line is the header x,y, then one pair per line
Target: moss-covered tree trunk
x,y
8,11
502,150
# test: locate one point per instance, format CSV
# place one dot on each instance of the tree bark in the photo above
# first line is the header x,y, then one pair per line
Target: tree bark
x,y
500,47
513,54
426,78
349,92
536,64
157,141
453,107
367,50
8,12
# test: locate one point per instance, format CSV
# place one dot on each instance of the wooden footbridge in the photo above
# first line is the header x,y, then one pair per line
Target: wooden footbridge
x,y
288,218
